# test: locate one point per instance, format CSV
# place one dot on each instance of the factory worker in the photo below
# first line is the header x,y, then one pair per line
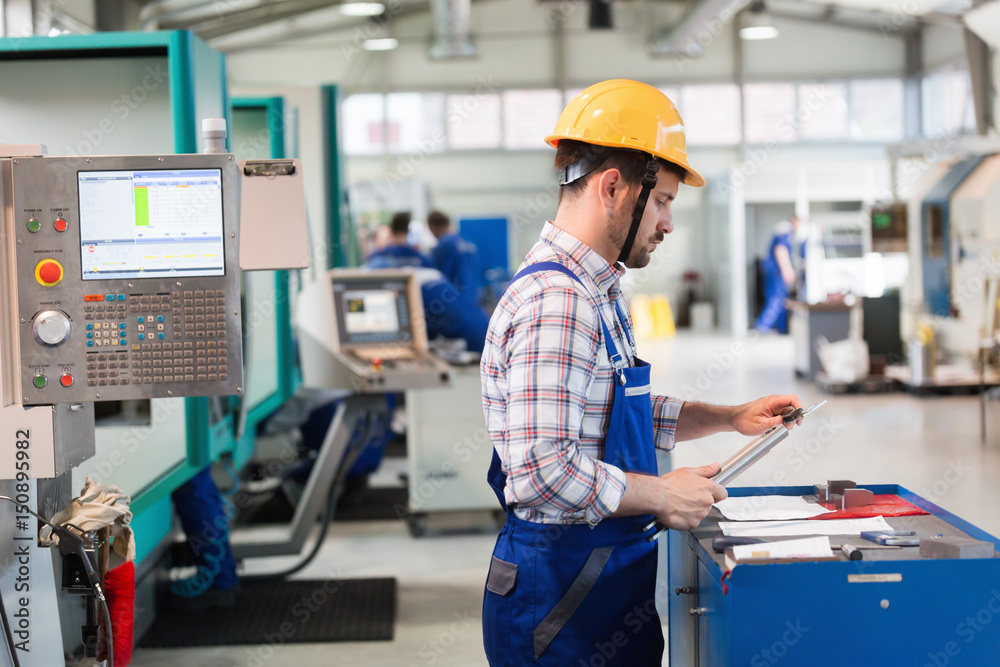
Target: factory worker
x,y
455,257
399,253
779,276
568,403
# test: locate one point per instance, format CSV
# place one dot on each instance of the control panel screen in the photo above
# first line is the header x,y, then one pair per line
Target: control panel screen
x,y
151,224
372,311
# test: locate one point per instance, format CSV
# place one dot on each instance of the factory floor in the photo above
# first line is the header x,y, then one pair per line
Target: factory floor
x,y
930,445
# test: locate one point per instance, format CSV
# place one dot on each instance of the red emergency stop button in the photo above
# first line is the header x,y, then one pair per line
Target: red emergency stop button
x,y
60,225
66,380
49,272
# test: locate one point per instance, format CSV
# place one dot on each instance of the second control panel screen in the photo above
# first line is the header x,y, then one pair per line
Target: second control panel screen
x,y
151,224
371,312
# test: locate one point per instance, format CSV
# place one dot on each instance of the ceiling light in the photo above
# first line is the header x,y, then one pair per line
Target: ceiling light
x,y
759,32
757,24
362,9
384,44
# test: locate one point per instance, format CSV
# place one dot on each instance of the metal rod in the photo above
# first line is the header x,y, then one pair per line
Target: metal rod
x,y
735,465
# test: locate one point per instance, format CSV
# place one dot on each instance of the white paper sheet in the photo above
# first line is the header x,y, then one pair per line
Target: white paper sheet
x,y
792,528
810,547
769,508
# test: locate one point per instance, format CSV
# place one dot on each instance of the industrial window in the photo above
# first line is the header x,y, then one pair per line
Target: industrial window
x,y
529,115
675,96
821,111
876,109
474,121
364,124
947,103
711,114
415,122
769,110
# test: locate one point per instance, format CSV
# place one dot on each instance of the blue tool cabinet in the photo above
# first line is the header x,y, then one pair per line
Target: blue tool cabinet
x,y
893,608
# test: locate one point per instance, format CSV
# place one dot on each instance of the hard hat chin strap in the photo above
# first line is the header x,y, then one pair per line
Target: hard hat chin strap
x,y
648,183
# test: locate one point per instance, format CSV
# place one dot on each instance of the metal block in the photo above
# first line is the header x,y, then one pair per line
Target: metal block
x,y
858,497
822,492
955,547
838,486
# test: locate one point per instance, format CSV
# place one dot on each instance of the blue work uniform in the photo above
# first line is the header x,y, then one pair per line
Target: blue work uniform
x,y
774,314
203,517
398,257
563,594
450,315
458,260
446,312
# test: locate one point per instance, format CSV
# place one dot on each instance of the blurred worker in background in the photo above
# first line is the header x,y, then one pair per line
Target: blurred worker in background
x,y
455,257
779,277
399,254
568,404
447,313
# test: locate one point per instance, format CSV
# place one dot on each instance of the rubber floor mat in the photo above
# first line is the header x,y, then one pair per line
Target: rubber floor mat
x,y
286,612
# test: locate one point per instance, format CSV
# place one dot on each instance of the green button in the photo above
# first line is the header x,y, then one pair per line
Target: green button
x,y
41,381
34,226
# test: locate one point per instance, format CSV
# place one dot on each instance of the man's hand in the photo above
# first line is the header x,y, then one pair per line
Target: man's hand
x,y
758,416
687,495
679,499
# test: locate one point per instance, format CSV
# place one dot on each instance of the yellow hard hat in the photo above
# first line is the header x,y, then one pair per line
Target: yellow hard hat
x,y
627,114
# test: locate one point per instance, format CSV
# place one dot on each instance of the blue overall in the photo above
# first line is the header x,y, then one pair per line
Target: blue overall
x,y
578,595
774,314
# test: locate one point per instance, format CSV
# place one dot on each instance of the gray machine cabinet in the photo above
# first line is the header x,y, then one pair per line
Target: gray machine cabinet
x,y
448,446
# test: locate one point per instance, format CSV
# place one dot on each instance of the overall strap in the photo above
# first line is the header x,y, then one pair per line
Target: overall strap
x,y
616,359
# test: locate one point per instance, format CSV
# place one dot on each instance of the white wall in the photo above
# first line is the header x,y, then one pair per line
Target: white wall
x,y
942,45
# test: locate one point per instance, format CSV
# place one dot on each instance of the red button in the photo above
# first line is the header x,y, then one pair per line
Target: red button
x,y
61,225
66,380
49,272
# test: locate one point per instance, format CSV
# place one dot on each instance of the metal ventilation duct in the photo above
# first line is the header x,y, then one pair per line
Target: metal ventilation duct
x,y
703,25
452,32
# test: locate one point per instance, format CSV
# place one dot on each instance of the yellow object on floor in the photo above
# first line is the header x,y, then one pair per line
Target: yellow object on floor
x,y
652,317
663,317
642,317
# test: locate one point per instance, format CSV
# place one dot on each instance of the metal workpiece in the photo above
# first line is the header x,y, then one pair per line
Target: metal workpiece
x,y
851,553
837,487
855,498
737,464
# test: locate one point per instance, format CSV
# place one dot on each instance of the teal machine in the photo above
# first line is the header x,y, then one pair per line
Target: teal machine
x,y
146,94
126,93
259,132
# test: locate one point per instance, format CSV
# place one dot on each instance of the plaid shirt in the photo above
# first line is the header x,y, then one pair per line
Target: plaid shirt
x,y
548,386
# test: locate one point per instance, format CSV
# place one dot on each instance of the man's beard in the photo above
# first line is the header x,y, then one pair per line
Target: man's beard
x,y
638,255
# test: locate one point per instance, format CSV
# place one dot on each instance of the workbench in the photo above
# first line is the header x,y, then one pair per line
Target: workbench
x,y
892,608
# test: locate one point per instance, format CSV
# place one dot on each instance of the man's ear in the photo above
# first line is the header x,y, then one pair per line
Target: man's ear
x,y
610,188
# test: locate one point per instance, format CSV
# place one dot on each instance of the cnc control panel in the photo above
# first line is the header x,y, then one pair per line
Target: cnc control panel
x,y
122,277
365,331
